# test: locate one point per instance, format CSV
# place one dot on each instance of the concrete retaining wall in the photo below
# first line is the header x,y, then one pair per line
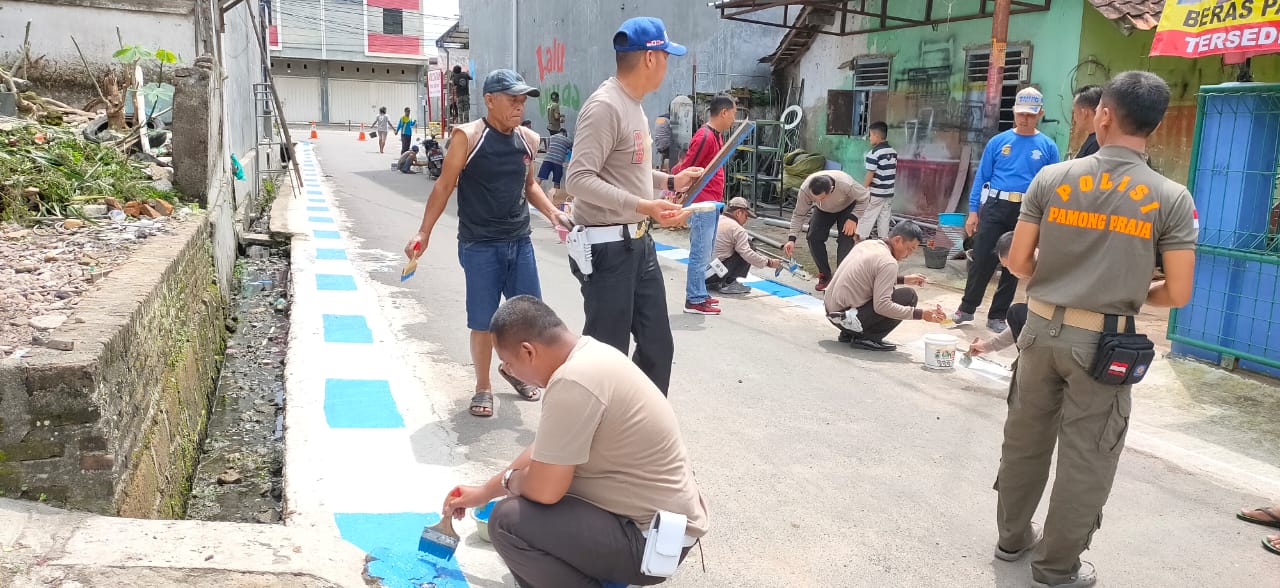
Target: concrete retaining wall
x,y
113,426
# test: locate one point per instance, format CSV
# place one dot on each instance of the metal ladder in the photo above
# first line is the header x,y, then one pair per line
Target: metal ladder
x,y
264,131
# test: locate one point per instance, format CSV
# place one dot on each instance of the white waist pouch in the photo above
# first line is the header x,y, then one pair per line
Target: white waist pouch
x,y
664,542
579,249
716,268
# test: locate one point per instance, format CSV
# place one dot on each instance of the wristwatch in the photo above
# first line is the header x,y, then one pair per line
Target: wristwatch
x,y
506,480
671,183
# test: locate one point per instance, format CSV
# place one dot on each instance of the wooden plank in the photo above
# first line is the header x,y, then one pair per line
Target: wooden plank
x,y
152,6
717,162
962,174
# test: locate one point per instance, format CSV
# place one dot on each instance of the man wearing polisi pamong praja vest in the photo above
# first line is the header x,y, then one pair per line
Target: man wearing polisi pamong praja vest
x,y
1009,162
1099,223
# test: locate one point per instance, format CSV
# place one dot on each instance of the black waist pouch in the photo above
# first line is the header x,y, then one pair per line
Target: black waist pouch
x,y
1123,358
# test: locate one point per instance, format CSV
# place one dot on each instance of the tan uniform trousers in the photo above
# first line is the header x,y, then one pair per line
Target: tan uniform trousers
x,y
1054,400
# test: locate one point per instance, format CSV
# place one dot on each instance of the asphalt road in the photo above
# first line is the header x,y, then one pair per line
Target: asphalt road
x,y
822,466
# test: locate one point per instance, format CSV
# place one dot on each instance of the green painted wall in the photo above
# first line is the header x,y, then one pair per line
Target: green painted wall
x,y
1106,51
1054,51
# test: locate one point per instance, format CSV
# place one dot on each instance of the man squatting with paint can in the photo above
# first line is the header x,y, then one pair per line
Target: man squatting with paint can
x,y
1009,162
1017,315
580,497
1099,223
866,284
612,181
490,161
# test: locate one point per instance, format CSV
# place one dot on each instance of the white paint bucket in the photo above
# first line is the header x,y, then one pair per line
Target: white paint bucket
x,y
939,352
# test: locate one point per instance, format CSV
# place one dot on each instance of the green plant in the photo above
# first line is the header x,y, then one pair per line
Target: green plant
x,y
132,55
67,171
43,497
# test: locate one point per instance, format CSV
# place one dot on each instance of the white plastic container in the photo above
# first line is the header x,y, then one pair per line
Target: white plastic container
x,y
939,351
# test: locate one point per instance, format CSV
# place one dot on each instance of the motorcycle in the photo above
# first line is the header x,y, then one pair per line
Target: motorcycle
x,y
435,156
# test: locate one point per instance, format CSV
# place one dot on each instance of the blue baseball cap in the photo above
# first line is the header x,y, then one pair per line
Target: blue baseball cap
x,y
645,33
505,81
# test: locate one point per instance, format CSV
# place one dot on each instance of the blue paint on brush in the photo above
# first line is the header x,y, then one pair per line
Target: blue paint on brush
x,y
391,540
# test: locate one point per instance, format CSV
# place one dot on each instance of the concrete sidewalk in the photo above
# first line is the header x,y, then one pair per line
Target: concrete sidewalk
x,y
45,546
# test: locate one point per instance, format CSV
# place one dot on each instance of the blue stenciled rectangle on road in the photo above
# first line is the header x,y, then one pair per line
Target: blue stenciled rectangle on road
x,y
327,234
335,282
660,247
391,539
346,328
316,192
317,209
321,219
331,253
772,287
315,200
360,404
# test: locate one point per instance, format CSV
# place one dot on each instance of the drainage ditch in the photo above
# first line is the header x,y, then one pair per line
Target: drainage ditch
x,y
239,476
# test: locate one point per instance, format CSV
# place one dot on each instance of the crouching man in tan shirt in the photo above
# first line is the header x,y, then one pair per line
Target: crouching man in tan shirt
x,y
864,283
607,457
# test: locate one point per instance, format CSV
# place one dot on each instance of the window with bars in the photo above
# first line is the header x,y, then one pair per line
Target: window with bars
x,y
851,112
1017,73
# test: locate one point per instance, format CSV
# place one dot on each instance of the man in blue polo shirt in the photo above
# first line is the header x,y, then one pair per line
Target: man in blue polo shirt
x,y
1009,163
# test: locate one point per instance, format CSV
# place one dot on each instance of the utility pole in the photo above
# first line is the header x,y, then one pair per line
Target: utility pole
x,y
995,69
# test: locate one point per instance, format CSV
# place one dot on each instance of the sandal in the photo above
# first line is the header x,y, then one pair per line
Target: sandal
x,y
482,404
1271,543
1270,518
527,392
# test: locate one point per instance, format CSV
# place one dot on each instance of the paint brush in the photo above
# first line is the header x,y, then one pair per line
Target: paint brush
x,y
440,540
411,267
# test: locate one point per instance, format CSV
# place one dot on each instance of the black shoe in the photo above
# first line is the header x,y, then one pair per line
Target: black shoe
x,y
845,337
872,345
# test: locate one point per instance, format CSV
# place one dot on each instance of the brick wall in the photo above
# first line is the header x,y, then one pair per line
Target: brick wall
x,y
113,426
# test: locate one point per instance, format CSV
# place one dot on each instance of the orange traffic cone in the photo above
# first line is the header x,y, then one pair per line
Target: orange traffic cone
x,y
362,137
314,134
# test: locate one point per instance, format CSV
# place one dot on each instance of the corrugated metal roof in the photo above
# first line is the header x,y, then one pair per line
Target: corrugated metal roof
x,y
1141,14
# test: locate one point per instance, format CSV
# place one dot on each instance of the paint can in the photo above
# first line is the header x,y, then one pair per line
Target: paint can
x,y
481,517
939,351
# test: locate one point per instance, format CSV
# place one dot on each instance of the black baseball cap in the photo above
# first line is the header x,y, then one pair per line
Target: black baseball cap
x,y
505,81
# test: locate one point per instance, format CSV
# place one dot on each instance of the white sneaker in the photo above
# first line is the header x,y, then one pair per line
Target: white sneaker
x,y
1001,554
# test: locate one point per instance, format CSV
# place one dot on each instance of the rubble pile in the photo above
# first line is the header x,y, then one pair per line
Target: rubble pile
x,y
45,269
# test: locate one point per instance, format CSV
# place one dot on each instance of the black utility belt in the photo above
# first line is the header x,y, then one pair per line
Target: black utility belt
x,y
1123,358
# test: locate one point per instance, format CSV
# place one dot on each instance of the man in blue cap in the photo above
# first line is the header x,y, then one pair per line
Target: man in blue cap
x,y
613,184
490,162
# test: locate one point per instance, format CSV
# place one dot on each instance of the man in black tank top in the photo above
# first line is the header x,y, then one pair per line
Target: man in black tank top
x,y
490,162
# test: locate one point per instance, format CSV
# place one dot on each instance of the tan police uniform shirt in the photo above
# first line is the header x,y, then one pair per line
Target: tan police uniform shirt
x,y
845,192
612,165
1102,220
603,415
868,274
731,238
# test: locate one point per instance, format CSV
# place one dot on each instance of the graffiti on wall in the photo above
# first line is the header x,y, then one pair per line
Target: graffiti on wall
x,y
550,59
570,97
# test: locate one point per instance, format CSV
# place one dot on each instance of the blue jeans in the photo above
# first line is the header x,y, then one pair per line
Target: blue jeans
x,y
702,241
493,270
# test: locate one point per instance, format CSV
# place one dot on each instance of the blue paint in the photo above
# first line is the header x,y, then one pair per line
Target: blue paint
x,y
346,328
482,514
327,234
661,247
316,192
331,253
684,260
321,219
335,282
317,209
775,288
360,404
392,539
315,200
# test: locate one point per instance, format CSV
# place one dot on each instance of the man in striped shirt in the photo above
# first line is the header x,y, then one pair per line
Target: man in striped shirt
x,y
882,176
558,147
